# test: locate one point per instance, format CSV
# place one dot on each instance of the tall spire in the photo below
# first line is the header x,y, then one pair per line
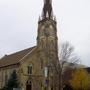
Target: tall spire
x,y
47,9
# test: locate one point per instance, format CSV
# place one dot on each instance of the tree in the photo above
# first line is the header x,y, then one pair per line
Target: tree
x,y
67,59
13,81
80,80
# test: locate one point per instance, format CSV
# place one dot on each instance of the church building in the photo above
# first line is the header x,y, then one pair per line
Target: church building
x,y
34,65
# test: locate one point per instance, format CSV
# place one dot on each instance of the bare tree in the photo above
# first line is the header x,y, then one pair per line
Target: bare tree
x,y
67,59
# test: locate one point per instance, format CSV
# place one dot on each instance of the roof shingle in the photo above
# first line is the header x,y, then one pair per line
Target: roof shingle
x,y
14,58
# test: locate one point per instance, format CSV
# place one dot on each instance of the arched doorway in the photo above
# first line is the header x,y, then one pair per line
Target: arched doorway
x,y
29,85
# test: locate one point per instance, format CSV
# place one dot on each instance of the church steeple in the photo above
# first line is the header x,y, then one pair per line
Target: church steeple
x,y
47,29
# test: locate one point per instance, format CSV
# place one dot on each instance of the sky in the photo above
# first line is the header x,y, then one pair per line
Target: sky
x,y
19,22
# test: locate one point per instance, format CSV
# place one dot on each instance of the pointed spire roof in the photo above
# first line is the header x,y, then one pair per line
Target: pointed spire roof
x,y
47,9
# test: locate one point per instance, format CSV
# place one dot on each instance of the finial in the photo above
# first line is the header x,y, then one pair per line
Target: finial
x,y
54,18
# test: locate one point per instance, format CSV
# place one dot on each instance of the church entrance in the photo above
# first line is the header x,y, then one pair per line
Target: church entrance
x,y
29,86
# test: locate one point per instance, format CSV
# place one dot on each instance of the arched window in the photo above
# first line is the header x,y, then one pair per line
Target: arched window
x,y
29,69
52,46
41,63
46,71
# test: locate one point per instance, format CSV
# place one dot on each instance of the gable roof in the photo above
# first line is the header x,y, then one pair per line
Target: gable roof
x,y
15,58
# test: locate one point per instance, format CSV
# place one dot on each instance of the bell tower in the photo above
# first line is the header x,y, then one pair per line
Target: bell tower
x,y
47,45
47,29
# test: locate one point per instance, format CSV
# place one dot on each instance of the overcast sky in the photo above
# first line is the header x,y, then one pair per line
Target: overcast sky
x,y
19,21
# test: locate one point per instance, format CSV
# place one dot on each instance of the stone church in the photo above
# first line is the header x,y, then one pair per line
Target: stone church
x,y
34,65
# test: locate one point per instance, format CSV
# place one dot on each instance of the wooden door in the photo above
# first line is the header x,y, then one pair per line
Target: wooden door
x,y
29,87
